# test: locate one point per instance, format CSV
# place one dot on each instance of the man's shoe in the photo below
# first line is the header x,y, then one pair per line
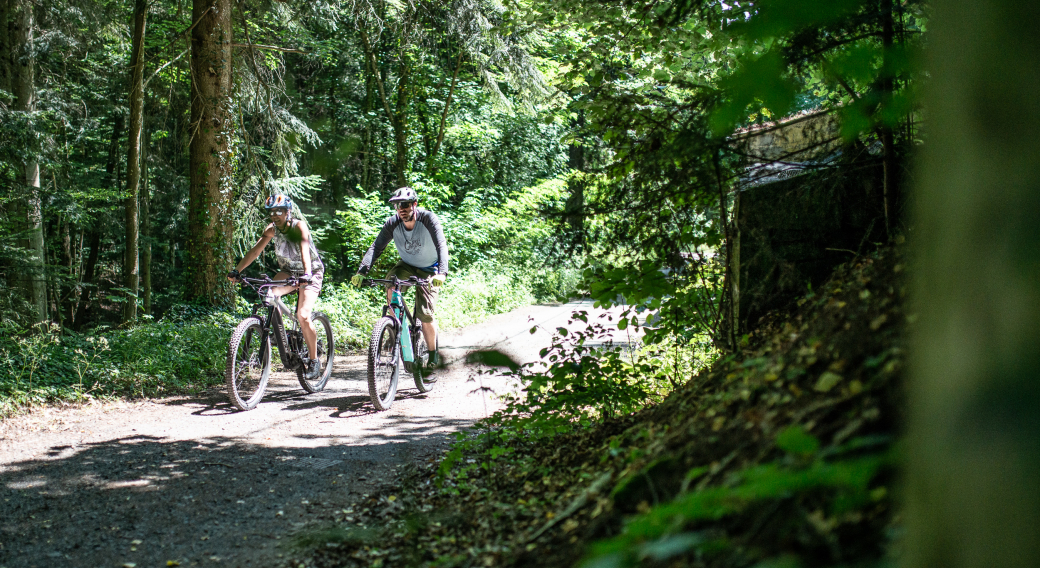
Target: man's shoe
x,y
313,369
433,361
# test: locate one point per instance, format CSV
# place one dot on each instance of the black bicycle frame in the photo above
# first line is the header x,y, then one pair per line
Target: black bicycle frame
x,y
287,353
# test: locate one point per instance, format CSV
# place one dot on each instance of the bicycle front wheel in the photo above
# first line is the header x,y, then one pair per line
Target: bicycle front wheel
x,y
326,353
384,364
248,364
421,371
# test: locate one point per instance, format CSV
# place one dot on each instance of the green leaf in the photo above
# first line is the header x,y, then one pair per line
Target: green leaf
x,y
795,440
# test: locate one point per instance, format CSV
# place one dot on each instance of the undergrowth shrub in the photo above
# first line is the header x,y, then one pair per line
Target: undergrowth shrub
x,y
846,481
468,297
475,294
184,352
352,312
583,377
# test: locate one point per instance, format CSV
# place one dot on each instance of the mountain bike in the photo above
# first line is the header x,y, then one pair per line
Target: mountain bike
x,y
397,341
249,350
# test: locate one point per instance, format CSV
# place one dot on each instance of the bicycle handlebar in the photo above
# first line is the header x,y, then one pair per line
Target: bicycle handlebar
x,y
266,282
396,282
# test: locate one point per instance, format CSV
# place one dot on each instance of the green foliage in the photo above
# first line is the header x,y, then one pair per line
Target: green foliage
x,y
582,378
479,292
352,313
182,353
841,477
468,297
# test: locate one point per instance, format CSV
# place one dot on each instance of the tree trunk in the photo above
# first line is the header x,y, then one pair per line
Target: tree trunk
x,y
209,201
5,45
369,147
146,228
398,117
88,277
890,191
30,213
67,261
131,266
401,121
444,114
972,493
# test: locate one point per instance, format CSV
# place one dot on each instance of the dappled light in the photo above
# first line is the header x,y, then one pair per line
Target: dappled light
x,y
504,283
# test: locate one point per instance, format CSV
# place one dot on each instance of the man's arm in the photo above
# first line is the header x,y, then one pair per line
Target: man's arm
x,y
386,234
433,225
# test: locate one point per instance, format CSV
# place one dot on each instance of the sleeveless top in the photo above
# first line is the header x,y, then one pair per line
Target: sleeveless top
x,y
287,250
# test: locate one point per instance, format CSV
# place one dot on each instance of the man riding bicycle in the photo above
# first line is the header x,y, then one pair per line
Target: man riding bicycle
x,y
297,257
420,241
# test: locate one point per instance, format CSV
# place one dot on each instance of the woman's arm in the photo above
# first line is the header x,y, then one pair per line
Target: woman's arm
x,y
254,252
305,246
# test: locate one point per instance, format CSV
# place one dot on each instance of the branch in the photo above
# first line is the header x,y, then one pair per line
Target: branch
x,y
252,59
165,65
375,72
271,47
447,103
187,31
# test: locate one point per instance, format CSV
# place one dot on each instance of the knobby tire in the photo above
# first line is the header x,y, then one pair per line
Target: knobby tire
x,y
421,370
326,354
248,364
384,364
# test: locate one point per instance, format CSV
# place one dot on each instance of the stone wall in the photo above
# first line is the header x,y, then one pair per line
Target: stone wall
x,y
794,232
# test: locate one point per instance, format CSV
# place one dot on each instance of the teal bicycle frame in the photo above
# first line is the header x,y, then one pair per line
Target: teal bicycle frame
x,y
405,338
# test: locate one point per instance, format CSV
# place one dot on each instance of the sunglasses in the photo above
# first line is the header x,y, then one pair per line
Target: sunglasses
x,y
404,205
278,211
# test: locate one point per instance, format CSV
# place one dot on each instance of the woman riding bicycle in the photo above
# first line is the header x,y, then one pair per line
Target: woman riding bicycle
x,y
297,257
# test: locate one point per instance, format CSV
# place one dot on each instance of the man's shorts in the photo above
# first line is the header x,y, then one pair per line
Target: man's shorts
x,y
426,296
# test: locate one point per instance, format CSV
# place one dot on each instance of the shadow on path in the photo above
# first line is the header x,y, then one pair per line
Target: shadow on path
x,y
148,500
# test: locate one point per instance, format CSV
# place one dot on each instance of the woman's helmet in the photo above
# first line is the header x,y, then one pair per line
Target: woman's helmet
x,y
278,200
404,195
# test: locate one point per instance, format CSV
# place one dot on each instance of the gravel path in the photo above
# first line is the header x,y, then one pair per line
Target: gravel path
x,y
188,481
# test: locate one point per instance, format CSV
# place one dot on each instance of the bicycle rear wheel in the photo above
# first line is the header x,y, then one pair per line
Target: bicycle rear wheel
x,y
384,364
421,371
248,364
326,353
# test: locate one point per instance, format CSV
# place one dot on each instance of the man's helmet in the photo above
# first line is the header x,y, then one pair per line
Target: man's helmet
x,y
278,200
404,195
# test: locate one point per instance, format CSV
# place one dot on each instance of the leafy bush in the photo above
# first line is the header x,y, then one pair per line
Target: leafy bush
x,y
179,354
476,294
352,313
844,477
582,378
467,298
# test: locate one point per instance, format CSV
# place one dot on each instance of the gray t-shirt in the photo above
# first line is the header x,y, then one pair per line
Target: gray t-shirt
x,y
423,247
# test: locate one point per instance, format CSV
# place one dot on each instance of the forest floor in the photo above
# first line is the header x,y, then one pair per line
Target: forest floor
x,y
778,456
188,481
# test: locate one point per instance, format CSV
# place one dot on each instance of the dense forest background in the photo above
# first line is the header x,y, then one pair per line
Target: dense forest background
x,y
593,147
609,148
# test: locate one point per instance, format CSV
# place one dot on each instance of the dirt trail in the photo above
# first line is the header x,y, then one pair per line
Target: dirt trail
x,y
192,481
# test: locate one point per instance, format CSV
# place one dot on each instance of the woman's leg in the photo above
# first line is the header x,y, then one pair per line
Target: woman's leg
x,y
303,315
281,290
